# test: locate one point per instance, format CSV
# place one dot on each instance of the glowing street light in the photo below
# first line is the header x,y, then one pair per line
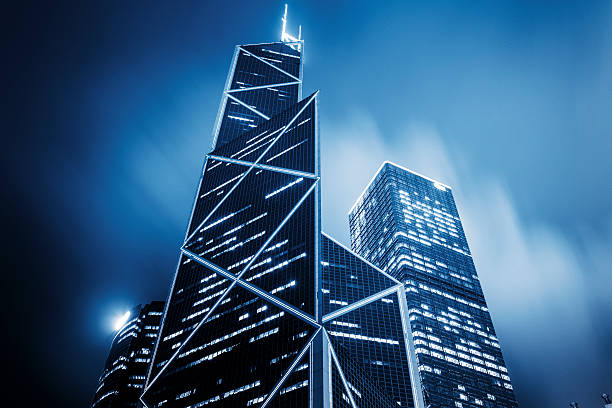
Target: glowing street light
x,y
121,320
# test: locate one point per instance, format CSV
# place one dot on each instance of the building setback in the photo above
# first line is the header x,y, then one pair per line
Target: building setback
x,y
408,225
122,381
365,317
265,310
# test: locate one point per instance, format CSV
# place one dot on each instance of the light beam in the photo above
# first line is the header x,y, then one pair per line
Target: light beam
x,y
121,320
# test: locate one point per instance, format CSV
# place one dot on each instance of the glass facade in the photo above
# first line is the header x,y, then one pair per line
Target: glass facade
x,y
241,316
123,379
264,80
265,310
363,321
408,225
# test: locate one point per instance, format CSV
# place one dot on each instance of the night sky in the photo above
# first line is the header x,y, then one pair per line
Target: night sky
x,y
109,108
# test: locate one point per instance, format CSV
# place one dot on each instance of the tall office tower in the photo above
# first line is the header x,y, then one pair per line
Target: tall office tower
x,y
246,323
126,368
408,225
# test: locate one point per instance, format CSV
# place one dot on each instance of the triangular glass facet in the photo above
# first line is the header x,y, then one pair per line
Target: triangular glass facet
x,y
269,101
235,358
347,278
251,71
364,389
251,145
243,222
294,392
286,267
194,293
372,336
296,147
219,178
339,393
279,55
237,119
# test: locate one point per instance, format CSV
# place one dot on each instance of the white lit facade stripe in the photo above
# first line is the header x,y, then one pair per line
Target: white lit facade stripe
x,y
217,126
263,294
254,88
363,302
290,369
362,259
410,225
237,279
249,107
216,132
265,167
127,364
223,104
340,371
268,63
367,187
228,194
287,150
415,377
363,338
283,188
208,286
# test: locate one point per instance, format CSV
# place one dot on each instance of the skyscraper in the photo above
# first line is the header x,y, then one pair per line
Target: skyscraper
x,y
365,318
264,310
122,381
408,225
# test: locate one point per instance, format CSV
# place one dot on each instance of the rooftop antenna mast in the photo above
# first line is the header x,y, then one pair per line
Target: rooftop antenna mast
x,y
295,43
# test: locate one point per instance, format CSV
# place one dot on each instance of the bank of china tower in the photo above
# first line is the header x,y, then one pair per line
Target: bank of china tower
x,y
266,310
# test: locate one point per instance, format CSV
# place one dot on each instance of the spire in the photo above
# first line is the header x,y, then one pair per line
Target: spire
x,y
295,43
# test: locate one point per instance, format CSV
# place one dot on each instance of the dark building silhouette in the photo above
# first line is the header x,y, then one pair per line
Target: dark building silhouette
x,y
408,225
265,310
126,368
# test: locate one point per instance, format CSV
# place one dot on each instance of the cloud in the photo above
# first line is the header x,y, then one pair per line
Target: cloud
x,y
546,292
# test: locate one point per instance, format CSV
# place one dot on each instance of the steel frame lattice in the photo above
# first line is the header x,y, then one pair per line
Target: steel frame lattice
x,y
237,279
398,290
328,354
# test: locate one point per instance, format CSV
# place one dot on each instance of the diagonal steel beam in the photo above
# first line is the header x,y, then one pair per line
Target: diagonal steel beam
x,y
270,64
248,265
415,376
361,303
254,289
265,167
251,168
249,107
342,376
216,128
228,84
361,258
222,297
253,88
144,404
289,370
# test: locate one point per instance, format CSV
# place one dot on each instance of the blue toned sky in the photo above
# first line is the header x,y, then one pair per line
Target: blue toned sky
x,y
111,109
